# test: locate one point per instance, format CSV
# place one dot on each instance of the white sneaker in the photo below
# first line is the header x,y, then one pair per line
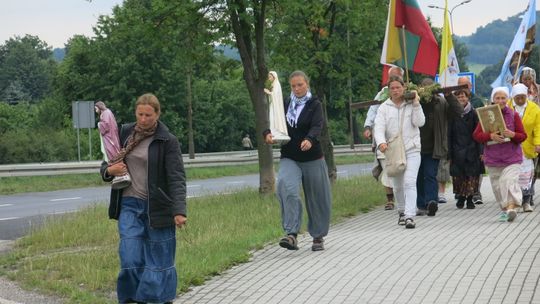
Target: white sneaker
x,y
527,208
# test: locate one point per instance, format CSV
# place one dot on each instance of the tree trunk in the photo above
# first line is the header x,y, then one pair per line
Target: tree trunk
x,y
191,144
250,45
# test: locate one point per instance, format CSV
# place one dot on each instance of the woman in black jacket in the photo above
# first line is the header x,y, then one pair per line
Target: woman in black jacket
x,y
465,153
149,209
302,163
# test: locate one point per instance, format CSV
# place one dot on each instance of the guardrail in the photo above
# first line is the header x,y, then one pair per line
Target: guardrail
x,y
212,159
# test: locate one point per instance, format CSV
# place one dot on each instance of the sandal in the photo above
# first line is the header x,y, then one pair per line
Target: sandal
x,y
389,206
289,242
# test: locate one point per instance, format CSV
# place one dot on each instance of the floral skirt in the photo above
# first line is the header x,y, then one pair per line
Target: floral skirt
x,y
465,185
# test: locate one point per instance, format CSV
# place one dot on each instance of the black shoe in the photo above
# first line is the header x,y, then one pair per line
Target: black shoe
x,y
470,204
432,208
461,202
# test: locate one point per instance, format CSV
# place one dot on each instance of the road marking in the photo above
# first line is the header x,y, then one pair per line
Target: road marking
x,y
193,186
236,182
8,218
65,199
6,205
342,172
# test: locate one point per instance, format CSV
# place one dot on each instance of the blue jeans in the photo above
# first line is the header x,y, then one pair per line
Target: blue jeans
x,y
147,254
426,183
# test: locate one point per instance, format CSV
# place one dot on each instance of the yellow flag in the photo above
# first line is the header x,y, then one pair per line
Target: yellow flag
x,y
448,66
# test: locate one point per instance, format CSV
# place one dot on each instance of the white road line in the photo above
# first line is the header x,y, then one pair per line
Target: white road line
x,y
6,205
8,218
193,186
65,199
236,182
62,212
342,172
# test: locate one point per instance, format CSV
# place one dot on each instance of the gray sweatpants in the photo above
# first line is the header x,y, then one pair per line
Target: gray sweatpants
x,y
314,178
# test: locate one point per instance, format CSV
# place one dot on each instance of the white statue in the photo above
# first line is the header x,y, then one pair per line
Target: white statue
x,y
276,111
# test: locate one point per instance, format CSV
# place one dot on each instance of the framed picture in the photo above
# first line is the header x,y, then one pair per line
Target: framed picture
x,y
491,118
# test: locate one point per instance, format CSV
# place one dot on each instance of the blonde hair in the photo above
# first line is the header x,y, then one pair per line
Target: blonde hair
x,y
149,99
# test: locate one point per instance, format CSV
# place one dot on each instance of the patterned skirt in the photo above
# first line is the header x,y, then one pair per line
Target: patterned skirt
x,y
465,185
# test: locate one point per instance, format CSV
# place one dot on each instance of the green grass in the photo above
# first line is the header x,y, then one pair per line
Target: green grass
x,y
75,257
25,184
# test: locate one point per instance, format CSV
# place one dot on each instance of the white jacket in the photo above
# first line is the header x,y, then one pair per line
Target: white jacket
x,y
387,123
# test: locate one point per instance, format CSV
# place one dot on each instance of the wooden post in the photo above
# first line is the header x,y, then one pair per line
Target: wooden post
x,y
404,46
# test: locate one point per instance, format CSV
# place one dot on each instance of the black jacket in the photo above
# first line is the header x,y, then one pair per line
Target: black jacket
x,y
166,178
464,152
309,126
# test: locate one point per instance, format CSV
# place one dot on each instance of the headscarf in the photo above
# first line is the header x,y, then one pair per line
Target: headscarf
x,y
499,89
519,89
293,106
526,71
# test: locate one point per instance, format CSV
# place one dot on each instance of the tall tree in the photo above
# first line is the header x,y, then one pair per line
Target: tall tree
x,y
246,19
27,68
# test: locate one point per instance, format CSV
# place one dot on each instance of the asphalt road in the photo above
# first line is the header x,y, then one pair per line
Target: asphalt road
x,y
20,212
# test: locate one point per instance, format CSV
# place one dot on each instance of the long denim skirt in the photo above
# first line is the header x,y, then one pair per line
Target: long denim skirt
x,y
147,255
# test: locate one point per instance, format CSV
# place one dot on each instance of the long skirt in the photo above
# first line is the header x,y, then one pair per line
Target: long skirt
x,y
465,185
147,254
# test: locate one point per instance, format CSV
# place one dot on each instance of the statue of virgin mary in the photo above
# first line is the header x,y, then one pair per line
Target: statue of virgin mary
x,y
278,126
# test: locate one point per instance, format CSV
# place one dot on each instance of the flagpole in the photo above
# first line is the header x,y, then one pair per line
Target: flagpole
x,y
405,53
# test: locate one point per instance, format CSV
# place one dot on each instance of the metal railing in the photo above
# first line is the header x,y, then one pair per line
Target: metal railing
x,y
212,159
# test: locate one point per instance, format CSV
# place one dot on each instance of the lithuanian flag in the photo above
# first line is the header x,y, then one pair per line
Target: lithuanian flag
x,y
409,41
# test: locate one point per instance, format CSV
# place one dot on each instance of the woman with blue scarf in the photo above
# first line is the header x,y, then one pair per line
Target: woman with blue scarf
x,y
302,163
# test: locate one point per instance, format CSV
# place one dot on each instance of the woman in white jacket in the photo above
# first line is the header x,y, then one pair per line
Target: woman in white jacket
x,y
387,126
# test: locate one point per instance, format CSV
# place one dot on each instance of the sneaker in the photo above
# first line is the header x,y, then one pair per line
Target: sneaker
x,y
289,242
527,208
318,244
409,223
477,199
511,214
421,212
389,206
401,220
503,217
442,199
432,208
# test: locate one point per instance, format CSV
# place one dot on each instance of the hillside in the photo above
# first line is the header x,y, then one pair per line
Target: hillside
x,y
489,44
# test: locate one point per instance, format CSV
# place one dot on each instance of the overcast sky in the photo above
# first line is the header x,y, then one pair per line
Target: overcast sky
x,y
55,21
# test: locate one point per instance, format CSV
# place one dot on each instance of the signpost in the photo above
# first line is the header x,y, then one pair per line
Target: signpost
x,y
83,117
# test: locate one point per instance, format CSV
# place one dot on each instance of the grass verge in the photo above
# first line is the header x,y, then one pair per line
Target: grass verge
x,y
25,184
75,257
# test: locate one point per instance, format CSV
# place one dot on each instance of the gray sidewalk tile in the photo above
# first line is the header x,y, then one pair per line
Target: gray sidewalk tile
x,y
458,256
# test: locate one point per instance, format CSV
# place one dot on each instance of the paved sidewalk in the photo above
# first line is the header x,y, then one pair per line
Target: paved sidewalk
x,y
458,256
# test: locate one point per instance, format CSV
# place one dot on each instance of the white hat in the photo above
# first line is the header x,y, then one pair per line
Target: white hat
x,y
499,89
519,89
